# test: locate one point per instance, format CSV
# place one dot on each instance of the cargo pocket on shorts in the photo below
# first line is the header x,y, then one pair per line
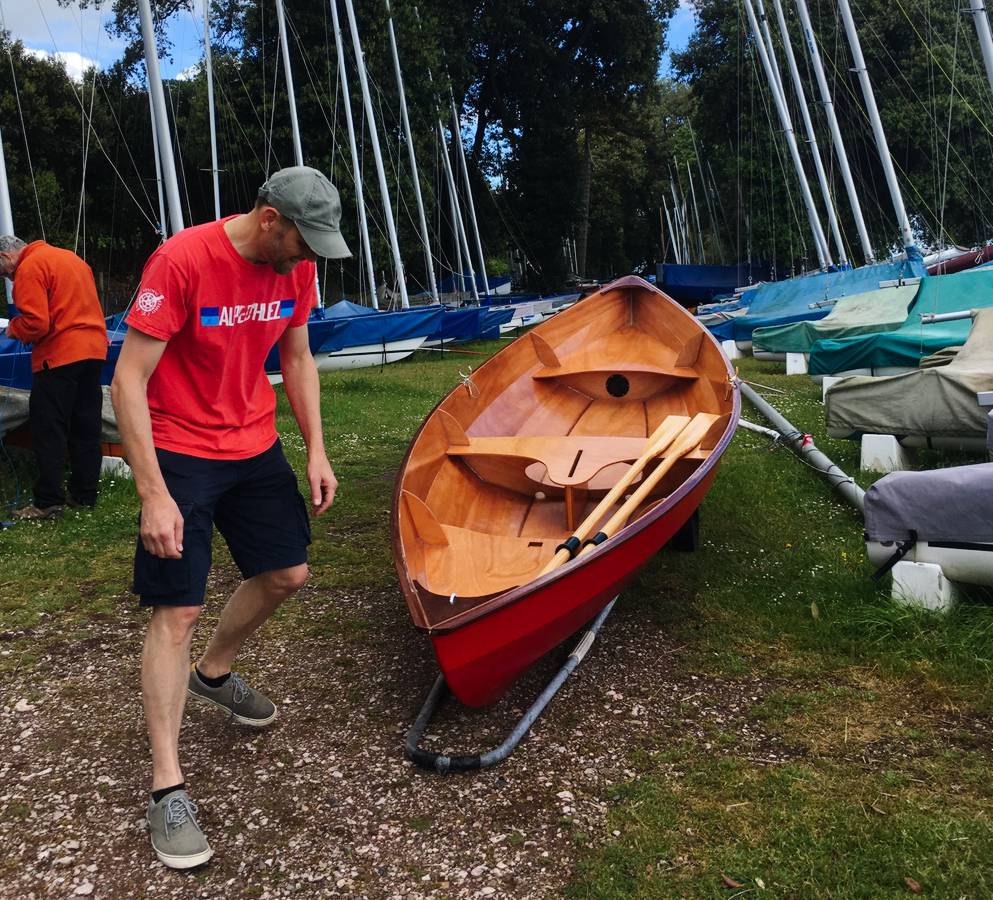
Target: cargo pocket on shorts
x,y
166,579
302,506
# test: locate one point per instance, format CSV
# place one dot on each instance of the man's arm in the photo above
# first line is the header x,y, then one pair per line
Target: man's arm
x,y
161,521
303,389
32,321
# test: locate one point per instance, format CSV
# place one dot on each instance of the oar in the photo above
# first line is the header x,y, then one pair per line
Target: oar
x,y
688,440
661,438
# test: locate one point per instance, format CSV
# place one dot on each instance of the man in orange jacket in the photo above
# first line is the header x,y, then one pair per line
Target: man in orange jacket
x,y
57,311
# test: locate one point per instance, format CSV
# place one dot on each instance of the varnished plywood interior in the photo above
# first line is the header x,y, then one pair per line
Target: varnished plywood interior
x,y
503,472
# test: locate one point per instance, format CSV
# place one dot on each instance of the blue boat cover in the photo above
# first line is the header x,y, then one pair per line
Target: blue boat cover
x,y
783,302
692,285
911,342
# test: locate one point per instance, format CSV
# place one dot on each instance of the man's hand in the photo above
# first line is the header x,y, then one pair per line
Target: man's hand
x,y
162,527
323,484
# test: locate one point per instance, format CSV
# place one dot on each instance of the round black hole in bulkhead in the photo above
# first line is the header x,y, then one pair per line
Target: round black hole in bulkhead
x,y
617,385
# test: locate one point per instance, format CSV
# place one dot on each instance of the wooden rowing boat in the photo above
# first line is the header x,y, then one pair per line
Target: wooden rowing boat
x,y
606,422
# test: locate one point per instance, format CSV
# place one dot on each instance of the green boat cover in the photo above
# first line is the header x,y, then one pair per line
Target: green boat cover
x,y
883,309
904,347
935,402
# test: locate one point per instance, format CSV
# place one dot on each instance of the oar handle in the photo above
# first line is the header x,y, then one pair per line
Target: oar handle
x,y
663,436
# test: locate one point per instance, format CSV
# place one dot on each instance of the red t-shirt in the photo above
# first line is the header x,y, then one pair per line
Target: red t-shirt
x,y
221,315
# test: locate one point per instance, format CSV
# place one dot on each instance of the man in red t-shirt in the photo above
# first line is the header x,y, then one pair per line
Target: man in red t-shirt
x,y
197,417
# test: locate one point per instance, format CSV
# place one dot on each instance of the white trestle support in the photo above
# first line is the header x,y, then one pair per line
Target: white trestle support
x,y
115,466
924,585
826,382
883,453
796,363
731,350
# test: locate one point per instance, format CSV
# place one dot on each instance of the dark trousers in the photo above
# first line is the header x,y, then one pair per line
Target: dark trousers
x,y
65,412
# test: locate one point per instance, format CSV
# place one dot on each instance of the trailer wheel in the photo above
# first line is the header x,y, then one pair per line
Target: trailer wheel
x,y
687,539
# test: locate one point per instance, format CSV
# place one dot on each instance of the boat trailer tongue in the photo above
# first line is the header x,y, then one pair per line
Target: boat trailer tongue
x,y
444,764
803,446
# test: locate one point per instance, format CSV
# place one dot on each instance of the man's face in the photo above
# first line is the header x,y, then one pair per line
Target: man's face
x,y
7,263
285,248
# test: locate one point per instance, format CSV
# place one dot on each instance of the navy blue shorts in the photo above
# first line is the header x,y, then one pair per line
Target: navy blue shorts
x,y
255,504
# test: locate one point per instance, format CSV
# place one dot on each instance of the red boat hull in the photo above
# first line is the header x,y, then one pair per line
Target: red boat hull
x,y
483,658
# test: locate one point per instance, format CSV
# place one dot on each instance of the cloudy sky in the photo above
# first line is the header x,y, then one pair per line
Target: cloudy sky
x,y
80,38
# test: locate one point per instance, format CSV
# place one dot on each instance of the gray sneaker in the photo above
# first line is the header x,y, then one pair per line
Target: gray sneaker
x,y
176,836
247,706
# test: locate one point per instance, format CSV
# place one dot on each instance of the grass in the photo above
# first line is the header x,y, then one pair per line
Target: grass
x,y
778,591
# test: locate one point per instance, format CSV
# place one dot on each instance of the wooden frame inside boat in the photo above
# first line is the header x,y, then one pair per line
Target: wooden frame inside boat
x,y
507,465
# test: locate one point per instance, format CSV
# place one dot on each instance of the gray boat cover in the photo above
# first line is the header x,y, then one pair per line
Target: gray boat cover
x,y
13,408
938,401
953,504
14,412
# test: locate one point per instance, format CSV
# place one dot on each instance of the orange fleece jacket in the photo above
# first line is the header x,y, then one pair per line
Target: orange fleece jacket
x,y
59,311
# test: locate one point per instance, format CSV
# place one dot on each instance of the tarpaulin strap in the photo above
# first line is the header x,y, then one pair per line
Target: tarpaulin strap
x,y
572,546
902,549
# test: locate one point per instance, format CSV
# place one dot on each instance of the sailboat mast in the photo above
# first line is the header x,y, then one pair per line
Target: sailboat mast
x,y
784,117
877,125
157,97
808,126
428,260
450,177
457,138
978,10
696,215
163,233
210,108
288,73
839,143
377,153
6,215
353,148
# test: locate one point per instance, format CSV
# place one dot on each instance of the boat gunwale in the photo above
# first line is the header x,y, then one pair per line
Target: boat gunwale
x,y
521,592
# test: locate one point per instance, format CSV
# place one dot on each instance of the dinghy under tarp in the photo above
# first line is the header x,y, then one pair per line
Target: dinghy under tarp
x,y
889,353
933,402
884,309
808,297
940,517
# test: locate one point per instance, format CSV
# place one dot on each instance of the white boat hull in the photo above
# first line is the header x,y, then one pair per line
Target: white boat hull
x,y
970,563
361,357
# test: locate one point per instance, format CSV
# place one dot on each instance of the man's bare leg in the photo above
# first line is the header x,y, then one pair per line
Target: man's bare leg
x,y
165,663
254,601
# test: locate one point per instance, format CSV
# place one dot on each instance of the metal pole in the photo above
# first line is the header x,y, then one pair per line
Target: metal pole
x,y
808,126
450,177
458,281
803,446
978,10
356,170
784,117
6,215
877,125
158,167
429,262
839,143
161,117
288,73
457,138
210,108
675,238
384,189
696,215
767,34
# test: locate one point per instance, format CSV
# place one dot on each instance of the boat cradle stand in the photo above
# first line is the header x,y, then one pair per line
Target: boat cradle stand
x,y
444,764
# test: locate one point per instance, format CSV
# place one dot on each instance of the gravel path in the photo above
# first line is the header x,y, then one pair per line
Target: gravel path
x,y
323,803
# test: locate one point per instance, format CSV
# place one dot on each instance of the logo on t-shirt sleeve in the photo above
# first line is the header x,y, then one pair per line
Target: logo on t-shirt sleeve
x,y
148,302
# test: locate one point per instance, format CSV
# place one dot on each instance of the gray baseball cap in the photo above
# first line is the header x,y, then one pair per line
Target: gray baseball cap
x,y
311,202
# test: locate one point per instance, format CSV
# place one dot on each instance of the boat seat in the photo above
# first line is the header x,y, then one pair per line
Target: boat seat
x,y
498,562
629,380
